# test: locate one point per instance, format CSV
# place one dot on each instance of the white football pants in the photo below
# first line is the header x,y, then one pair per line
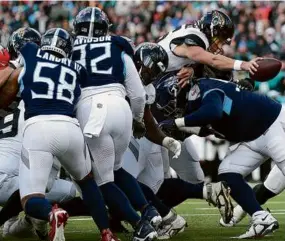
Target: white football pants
x,y
47,140
106,121
245,157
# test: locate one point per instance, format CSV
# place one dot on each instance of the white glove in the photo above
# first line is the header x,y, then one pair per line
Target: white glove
x,y
172,145
17,63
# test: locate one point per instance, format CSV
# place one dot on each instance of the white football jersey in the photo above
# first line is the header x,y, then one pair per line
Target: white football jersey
x,y
184,34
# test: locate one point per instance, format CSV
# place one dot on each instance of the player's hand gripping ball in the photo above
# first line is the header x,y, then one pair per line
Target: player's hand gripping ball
x,y
267,69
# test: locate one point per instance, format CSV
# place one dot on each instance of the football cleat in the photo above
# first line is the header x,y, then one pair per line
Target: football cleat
x,y
239,215
150,214
18,227
218,194
262,224
144,231
171,225
57,220
107,235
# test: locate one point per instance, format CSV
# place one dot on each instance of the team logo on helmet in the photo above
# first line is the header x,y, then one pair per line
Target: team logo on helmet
x,y
21,32
218,19
172,86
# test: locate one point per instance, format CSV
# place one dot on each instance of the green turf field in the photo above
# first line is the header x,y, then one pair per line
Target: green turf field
x,y
202,224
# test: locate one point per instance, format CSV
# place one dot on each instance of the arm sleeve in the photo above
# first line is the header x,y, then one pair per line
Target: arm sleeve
x,y
211,110
134,88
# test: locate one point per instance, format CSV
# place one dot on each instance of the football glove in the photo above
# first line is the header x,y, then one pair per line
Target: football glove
x,y
172,145
139,129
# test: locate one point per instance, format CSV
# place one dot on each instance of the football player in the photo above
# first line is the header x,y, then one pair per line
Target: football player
x,y
151,61
153,160
106,117
238,116
201,43
11,124
49,85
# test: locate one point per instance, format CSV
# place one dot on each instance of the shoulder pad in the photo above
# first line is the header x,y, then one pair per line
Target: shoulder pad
x,y
196,38
125,44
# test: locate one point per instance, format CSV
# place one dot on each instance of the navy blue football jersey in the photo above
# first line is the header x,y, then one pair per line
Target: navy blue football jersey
x,y
9,119
49,85
102,58
239,115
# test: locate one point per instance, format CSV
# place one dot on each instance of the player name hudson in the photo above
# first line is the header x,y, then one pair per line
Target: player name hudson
x,y
68,62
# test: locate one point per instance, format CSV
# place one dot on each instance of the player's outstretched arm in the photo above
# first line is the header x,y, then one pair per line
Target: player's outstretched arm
x,y
135,89
210,111
218,61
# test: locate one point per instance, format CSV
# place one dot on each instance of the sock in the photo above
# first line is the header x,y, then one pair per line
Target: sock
x,y
154,200
262,193
174,191
241,192
117,200
93,199
129,185
38,207
11,208
75,207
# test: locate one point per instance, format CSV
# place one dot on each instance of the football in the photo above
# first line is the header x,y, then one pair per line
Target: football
x,y
9,90
267,70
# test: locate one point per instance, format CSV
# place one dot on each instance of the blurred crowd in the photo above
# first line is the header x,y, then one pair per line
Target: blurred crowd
x,y
260,26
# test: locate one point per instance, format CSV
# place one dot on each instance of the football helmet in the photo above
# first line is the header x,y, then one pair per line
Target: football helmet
x,y
151,61
58,41
168,94
218,28
91,22
20,37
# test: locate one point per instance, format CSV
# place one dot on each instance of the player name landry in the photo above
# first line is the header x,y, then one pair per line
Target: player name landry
x,y
85,40
68,62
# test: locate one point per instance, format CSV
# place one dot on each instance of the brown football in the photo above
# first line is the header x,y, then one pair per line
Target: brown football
x,y
10,88
267,70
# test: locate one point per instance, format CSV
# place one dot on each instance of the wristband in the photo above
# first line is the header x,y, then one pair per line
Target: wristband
x,y
237,65
180,122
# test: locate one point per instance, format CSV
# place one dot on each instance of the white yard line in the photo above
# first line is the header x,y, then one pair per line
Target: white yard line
x,y
199,203
278,212
271,210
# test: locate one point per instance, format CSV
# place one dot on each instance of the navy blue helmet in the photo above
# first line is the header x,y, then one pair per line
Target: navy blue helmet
x,y
20,37
91,22
218,28
170,97
57,41
151,61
